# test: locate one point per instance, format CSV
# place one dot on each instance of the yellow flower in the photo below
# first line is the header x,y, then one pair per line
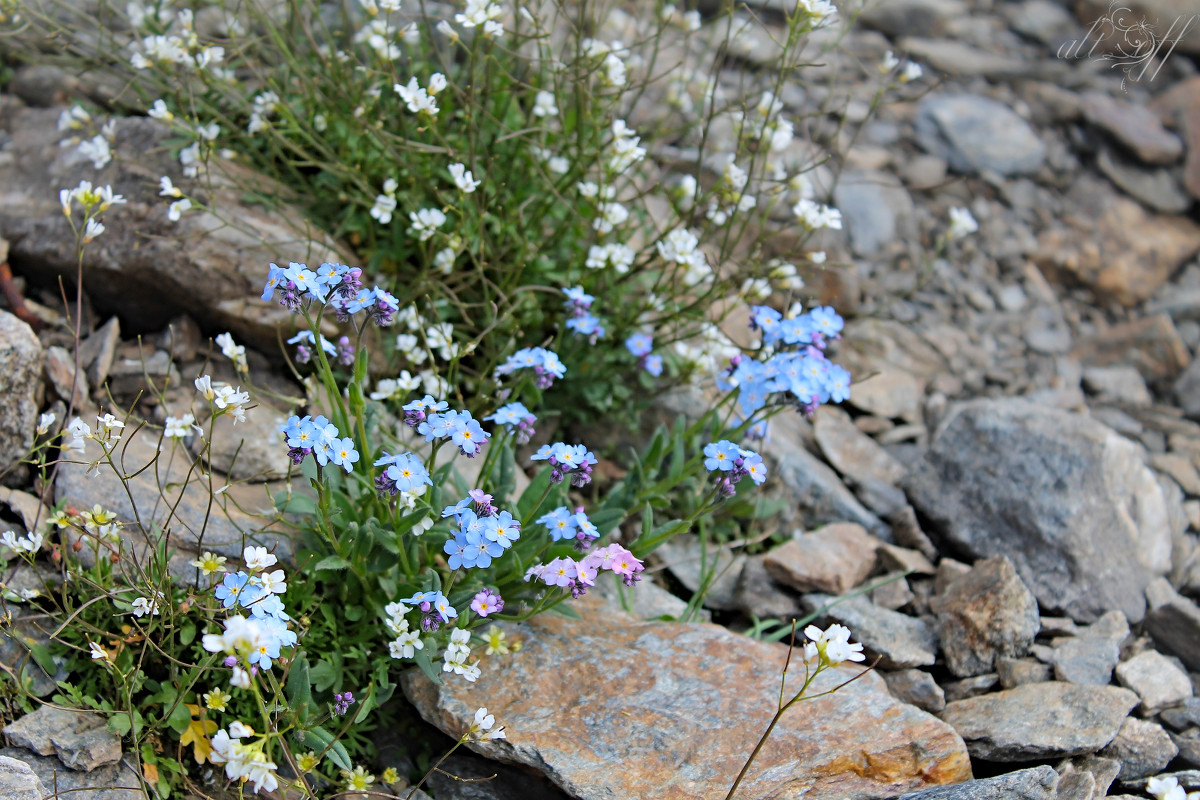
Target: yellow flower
x,y
495,642
217,699
358,780
210,563
390,775
307,762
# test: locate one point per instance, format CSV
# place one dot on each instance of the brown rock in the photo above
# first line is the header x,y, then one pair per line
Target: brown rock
x,y
1136,127
1151,344
987,614
1113,246
852,452
683,729
833,559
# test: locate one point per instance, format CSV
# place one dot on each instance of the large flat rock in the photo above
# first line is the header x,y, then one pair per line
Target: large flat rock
x,y
611,708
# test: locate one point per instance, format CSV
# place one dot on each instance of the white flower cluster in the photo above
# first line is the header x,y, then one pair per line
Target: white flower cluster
x,y
407,643
481,14
463,178
617,255
385,203
234,352
822,12
224,397
438,338
481,729
624,150
682,247
181,48
456,655
425,223
265,105
29,543
243,761
911,70
613,71
832,646
814,215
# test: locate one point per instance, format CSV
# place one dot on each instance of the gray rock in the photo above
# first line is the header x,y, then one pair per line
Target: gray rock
x,y
1158,189
1077,786
1187,389
1040,720
820,495
141,374
247,450
916,686
1121,384
906,530
80,739
197,265
757,594
976,134
1188,745
112,782
15,641
1142,747
833,559
911,17
895,594
1156,679
18,781
1038,783
899,640
877,212
1069,501
1136,127
20,372
714,568
61,375
986,614
1174,623
1019,671
1102,770
1183,716
1088,658
850,451
1043,20
894,558
970,687
225,528
96,352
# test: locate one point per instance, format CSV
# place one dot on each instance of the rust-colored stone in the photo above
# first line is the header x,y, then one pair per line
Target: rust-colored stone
x,y
612,708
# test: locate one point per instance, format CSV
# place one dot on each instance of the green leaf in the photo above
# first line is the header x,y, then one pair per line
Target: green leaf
x,y
566,610
180,719
533,493
425,662
324,675
331,564
299,683
296,503
647,543
334,749
119,724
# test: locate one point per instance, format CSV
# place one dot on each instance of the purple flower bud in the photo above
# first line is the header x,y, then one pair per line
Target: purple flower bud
x,y
345,351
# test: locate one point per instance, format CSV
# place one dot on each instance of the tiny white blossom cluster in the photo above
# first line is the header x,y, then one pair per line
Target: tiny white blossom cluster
x,y
407,643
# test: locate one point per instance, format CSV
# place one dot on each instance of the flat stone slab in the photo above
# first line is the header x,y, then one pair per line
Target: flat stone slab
x,y
1040,720
672,711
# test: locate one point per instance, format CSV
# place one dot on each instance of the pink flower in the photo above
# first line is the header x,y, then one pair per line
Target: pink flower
x,y
487,602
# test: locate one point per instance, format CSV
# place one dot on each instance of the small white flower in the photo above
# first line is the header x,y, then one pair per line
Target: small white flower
x,y
416,98
962,223
178,427
98,653
160,111
383,208
167,189
463,178
544,105
92,230
814,215
257,558
44,423
176,209
437,82
425,222
143,606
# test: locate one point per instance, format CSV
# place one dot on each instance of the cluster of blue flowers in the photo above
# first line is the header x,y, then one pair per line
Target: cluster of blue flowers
x,y
641,346
805,373
517,418
320,437
259,592
567,459
565,525
484,532
731,463
337,285
544,363
433,421
582,321
404,473
305,341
